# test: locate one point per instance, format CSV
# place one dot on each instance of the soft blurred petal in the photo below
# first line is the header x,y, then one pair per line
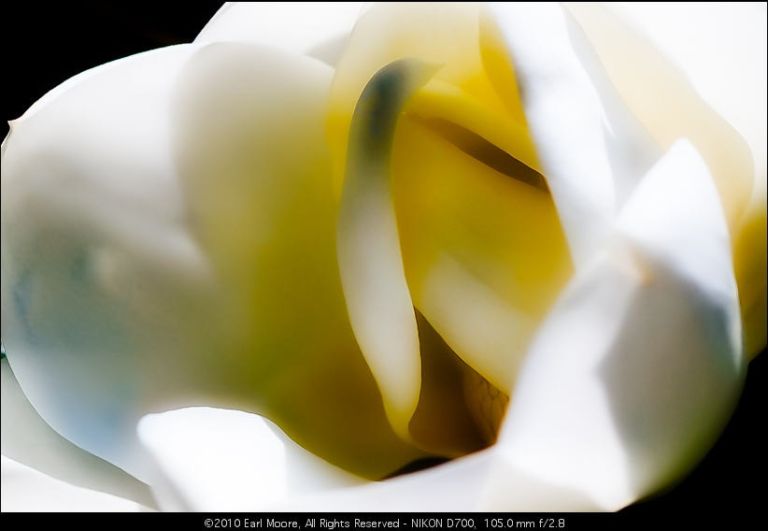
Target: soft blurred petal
x,y
631,150
27,490
27,439
455,486
658,93
638,367
482,245
219,460
462,92
370,260
251,151
292,26
698,71
564,113
638,364
648,103
721,48
459,486
98,273
628,382
111,309
749,254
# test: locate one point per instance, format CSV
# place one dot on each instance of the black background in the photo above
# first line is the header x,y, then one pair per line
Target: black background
x,y
44,44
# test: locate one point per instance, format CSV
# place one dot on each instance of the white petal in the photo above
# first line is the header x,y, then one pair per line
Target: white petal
x,y
455,486
296,27
370,260
661,97
459,486
631,149
27,439
638,366
721,48
92,230
222,460
565,115
27,490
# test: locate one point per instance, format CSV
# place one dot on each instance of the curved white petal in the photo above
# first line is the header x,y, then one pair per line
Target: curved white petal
x,y
370,260
721,48
27,490
565,114
221,460
292,26
455,486
459,486
92,237
27,439
659,94
630,148
698,72
638,366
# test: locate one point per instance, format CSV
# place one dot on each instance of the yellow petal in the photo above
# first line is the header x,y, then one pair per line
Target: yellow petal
x,y
462,91
749,255
482,245
484,253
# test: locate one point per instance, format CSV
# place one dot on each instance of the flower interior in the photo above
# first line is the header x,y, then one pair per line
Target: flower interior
x,y
480,241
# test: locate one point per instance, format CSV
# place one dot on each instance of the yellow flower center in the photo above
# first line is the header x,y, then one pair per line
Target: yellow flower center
x,y
483,251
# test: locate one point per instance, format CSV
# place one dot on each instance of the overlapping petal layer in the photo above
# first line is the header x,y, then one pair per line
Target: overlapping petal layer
x,y
170,233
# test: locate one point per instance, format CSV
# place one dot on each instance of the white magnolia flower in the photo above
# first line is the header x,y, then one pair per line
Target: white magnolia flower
x,y
377,227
